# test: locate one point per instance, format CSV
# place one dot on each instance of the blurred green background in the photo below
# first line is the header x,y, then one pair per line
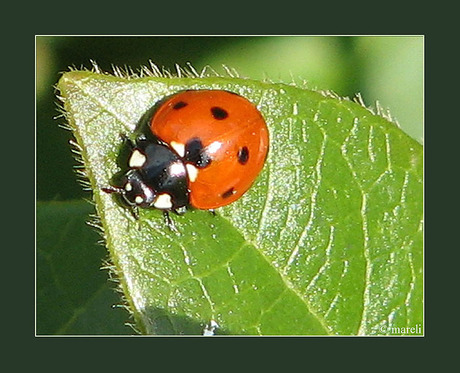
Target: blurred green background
x,y
387,69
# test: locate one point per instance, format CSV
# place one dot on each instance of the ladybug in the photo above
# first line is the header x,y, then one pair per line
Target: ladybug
x,y
200,149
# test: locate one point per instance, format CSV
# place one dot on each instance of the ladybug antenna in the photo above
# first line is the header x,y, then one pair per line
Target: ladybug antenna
x,y
113,189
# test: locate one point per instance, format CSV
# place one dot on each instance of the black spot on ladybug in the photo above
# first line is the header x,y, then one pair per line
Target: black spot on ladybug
x,y
219,113
179,105
243,155
228,193
196,154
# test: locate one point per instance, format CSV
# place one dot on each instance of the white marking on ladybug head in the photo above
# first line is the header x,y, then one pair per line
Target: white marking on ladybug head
x,y
138,200
179,148
128,187
137,159
177,169
192,172
163,201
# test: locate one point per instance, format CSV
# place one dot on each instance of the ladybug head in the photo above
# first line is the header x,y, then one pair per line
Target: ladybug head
x,y
136,192
133,190
156,178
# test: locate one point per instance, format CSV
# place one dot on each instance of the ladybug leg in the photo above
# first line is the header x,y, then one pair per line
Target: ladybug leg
x,y
180,211
135,212
168,221
127,142
213,212
140,142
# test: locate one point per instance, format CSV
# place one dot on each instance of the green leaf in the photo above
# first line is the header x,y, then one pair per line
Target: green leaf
x,y
73,294
327,241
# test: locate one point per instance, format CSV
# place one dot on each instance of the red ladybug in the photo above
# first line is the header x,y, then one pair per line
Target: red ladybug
x,y
203,148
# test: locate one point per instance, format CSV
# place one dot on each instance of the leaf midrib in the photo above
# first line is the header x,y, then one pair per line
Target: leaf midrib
x,y
284,279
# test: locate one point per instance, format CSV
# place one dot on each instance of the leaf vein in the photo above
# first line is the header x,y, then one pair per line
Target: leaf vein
x,y
287,283
313,195
264,215
105,106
